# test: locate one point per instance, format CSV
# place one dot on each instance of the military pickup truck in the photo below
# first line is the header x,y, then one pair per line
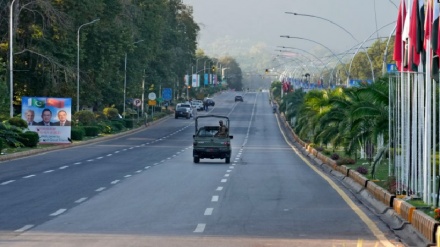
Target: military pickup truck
x,y
211,138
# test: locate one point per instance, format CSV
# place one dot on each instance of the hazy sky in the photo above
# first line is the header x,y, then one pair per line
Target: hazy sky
x,y
263,21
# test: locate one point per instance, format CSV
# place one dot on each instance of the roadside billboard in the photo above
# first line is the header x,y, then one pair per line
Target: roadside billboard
x,y
49,117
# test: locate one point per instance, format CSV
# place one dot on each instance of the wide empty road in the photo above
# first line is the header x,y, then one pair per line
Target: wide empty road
x,y
143,189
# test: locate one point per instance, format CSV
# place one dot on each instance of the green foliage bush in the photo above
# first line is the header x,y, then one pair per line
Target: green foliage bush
x,y
362,170
118,125
10,135
111,113
18,122
91,130
1,145
99,116
334,156
105,127
85,118
77,133
29,138
129,123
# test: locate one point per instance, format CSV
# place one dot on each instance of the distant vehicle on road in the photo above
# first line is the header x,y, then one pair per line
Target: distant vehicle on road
x,y
198,105
238,98
186,105
182,112
209,101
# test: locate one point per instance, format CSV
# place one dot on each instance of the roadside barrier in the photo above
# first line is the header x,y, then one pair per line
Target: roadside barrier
x,y
380,194
425,224
358,178
403,209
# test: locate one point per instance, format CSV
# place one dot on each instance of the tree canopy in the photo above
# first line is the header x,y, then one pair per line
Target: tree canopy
x,y
158,38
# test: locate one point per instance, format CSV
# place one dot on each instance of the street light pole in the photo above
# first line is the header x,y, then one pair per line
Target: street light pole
x,y
125,78
11,60
345,30
77,62
314,16
325,65
290,37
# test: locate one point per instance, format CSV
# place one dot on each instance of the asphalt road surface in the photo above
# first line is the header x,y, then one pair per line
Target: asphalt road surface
x,y
143,189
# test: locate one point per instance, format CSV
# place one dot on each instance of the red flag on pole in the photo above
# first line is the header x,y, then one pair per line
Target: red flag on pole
x,y
416,35
399,44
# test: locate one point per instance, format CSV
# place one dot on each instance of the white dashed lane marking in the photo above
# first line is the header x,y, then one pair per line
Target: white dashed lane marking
x,y
208,211
7,182
223,180
100,189
29,176
200,228
24,228
81,200
48,171
58,212
115,182
214,199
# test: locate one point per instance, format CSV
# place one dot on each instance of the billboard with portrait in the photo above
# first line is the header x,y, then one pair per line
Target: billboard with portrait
x,y
49,117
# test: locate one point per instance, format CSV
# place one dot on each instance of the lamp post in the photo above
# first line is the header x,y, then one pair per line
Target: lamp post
x,y
125,76
77,62
290,37
314,16
345,30
305,64
11,60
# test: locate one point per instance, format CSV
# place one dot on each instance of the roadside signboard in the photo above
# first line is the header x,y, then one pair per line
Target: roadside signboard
x,y
137,102
167,93
49,117
391,68
151,96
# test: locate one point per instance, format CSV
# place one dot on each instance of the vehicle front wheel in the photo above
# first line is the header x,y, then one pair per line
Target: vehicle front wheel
x,y
196,159
227,160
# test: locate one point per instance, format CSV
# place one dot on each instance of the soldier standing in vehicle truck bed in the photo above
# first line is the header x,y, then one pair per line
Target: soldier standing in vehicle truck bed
x,y
223,130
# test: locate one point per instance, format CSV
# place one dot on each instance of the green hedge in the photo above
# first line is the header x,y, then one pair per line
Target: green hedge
x,y
18,122
129,123
29,138
85,118
91,130
117,125
77,133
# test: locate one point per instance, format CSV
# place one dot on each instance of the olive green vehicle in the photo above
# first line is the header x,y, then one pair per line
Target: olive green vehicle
x,y
210,140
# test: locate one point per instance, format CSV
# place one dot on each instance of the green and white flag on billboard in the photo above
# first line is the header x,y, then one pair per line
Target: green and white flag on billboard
x,y
36,102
